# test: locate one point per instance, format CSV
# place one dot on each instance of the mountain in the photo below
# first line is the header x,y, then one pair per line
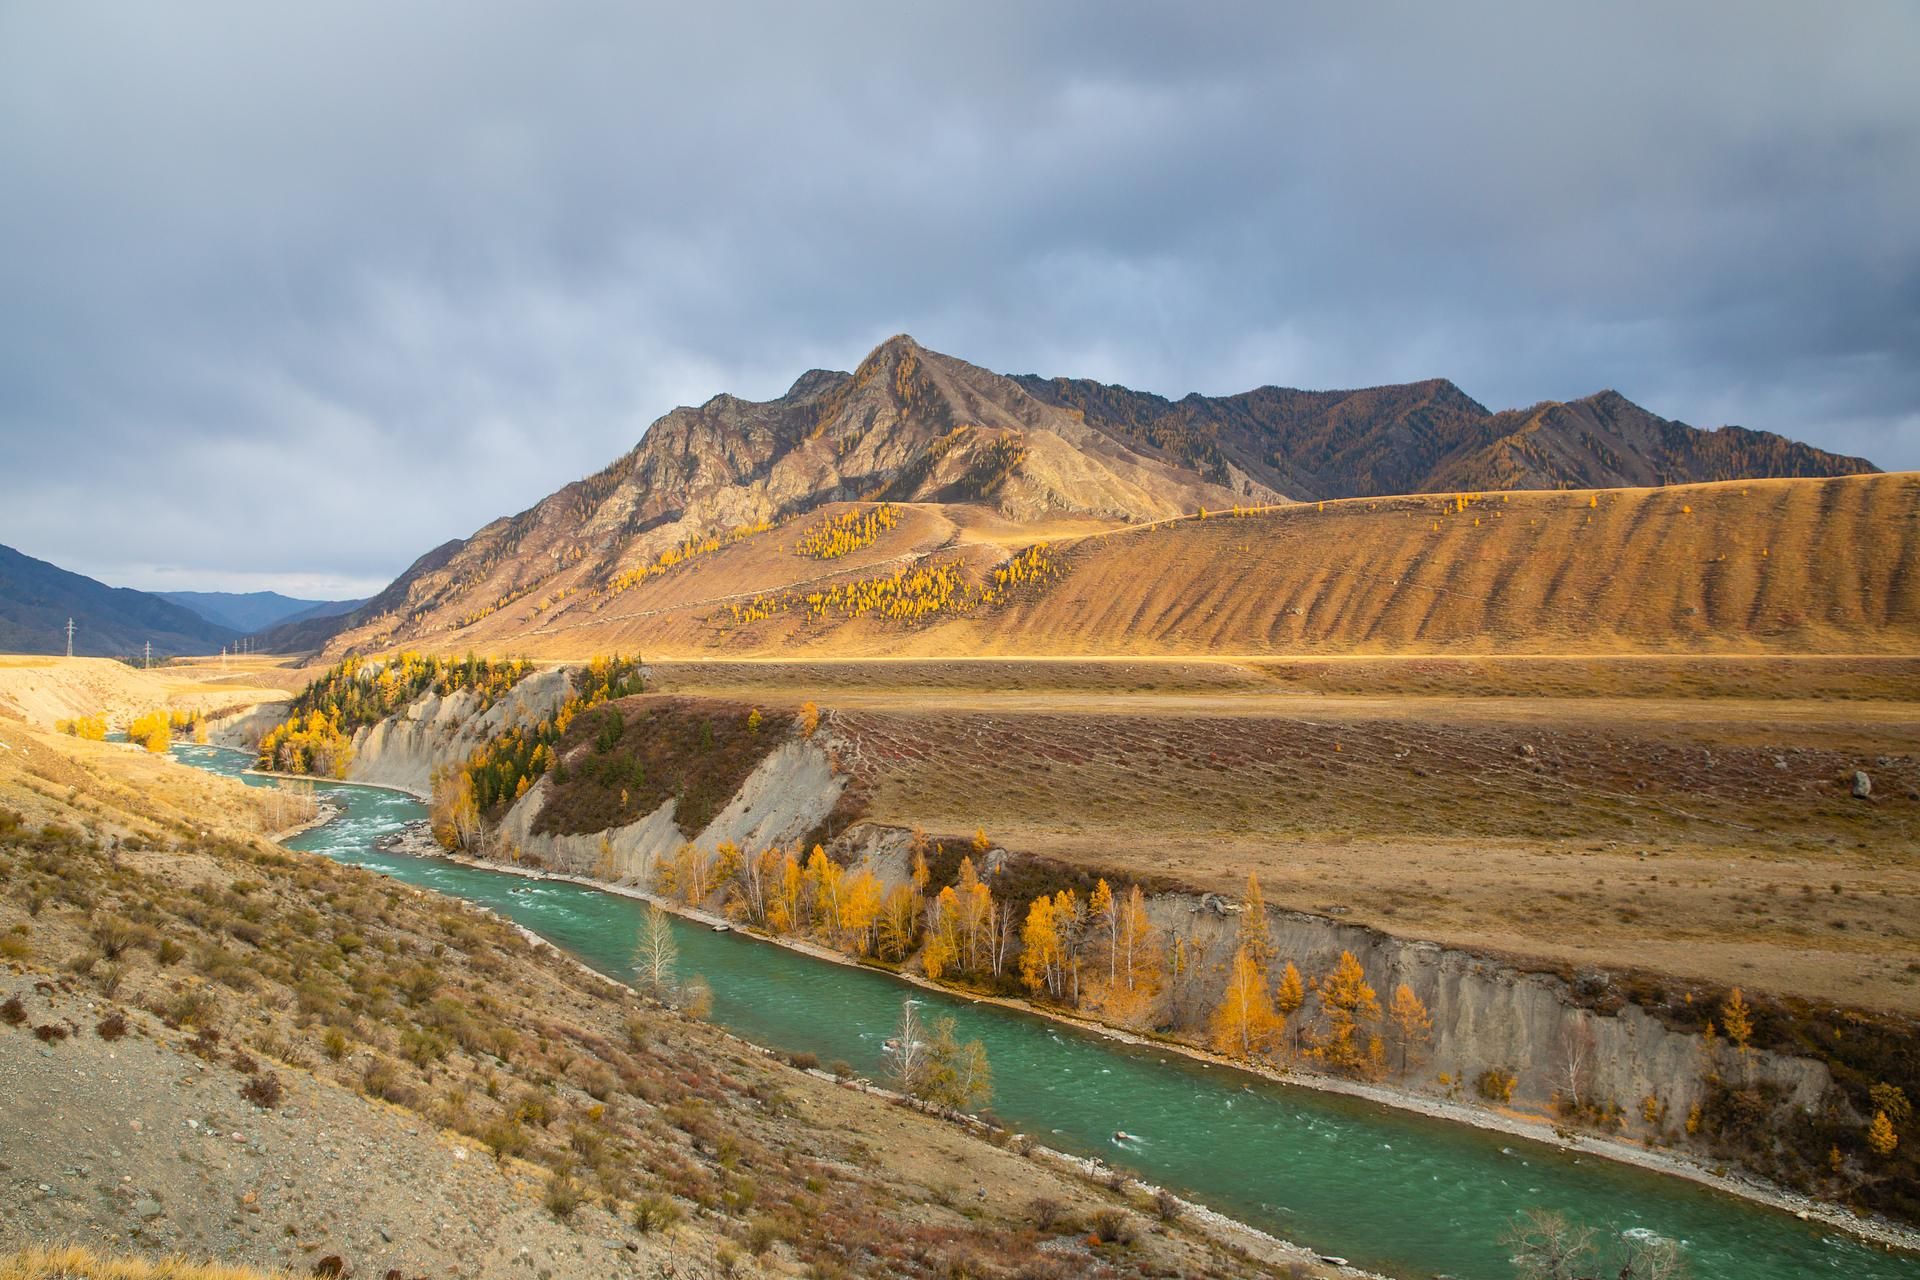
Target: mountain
x,y
1429,437
255,610
37,598
986,464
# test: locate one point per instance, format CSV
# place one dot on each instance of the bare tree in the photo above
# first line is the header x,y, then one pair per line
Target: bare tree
x,y
908,1066
657,954
1576,1059
1547,1246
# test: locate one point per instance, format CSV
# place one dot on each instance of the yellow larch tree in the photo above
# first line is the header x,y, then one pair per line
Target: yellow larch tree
x,y
1348,1010
1288,997
1412,1024
1253,923
1245,1024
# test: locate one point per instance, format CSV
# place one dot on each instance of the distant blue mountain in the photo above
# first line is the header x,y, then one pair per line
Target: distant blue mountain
x,y
37,598
255,610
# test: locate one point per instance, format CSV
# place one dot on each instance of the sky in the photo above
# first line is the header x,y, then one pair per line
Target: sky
x,y
291,294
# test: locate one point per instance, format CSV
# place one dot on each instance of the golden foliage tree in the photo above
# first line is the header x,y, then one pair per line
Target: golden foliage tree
x,y
1040,946
1412,1024
453,816
1253,923
1344,1040
1245,1024
1881,1137
154,731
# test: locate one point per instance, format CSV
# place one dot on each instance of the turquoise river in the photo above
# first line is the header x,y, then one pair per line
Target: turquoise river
x,y
1396,1192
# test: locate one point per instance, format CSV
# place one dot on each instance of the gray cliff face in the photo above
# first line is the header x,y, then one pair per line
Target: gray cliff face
x,y
790,793
244,729
434,732
1491,1015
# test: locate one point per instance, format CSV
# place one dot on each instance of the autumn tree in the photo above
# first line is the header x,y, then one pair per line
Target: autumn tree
x,y
907,1051
899,922
453,817
1344,1041
1245,1024
1736,1023
1882,1138
1104,914
860,911
943,952
1288,997
1253,923
1412,1025
1040,947
956,1075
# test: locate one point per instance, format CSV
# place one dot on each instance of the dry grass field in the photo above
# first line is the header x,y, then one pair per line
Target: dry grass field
x,y
1691,815
42,690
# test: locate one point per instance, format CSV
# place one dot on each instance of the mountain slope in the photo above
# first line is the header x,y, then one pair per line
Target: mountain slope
x,y
1430,437
254,610
907,425
1606,441
37,598
968,448
1764,566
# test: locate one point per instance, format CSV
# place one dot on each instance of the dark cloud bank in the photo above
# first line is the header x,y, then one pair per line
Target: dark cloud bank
x,y
290,294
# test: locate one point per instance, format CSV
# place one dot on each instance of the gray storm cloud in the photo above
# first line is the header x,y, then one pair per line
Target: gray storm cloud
x,y
289,296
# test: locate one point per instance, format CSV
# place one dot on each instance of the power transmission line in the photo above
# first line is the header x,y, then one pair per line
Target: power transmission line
x,y
69,637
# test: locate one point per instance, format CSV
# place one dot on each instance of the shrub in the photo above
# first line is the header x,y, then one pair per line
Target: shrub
x,y
1167,1206
114,935
14,944
654,1212
334,1043
1047,1212
1496,1085
112,1027
805,1061
50,1032
191,1008
563,1195
262,1090
382,1079
13,1012
1110,1226
504,1137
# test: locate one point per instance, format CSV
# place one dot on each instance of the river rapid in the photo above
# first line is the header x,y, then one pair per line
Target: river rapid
x,y
1392,1191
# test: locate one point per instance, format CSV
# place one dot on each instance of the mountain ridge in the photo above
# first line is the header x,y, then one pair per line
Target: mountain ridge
x,y
254,611
910,425
37,597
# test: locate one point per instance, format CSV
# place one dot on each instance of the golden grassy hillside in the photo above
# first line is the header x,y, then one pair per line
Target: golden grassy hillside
x,y
43,690
1780,565
1766,566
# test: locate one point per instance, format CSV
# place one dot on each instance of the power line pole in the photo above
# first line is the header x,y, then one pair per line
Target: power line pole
x,y
69,637
149,655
